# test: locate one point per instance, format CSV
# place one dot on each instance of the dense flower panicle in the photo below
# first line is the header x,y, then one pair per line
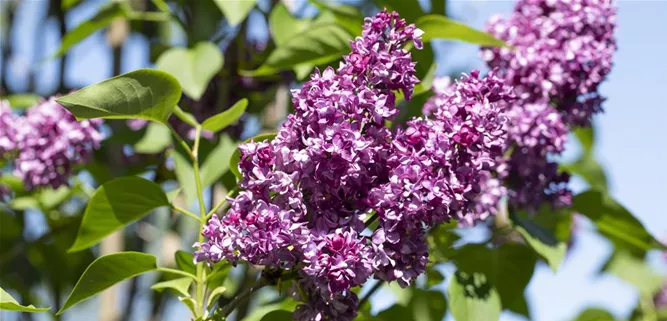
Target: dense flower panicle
x,y
537,132
562,51
52,143
307,193
436,170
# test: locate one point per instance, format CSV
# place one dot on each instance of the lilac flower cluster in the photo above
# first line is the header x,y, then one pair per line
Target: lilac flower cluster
x,y
562,51
308,194
7,138
49,143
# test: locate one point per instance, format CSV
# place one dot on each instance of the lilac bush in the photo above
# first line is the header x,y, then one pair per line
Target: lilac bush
x,y
333,167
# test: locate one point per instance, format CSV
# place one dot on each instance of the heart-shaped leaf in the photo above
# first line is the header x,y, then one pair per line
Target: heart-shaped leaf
x,y
194,68
235,10
144,93
115,204
220,121
10,304
107,271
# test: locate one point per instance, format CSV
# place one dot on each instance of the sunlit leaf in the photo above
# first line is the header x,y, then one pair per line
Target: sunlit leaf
x,y
473,298
542,240
615,222
22,101
636,272
179,286
192,67
116,204
144,93
440,27
107,271
155,140
10,304
220,121
235,10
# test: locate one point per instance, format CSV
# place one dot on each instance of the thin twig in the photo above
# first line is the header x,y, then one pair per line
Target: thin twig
x,y
186,212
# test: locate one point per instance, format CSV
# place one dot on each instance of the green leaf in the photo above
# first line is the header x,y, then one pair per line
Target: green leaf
x,y
217,277
317,45
190,303
284,26
220,121
409,9
10,304
277,315
615,222
185,261
587,167
185,175
217,162
180,286
595,314
22,101
428,305
636,272
66,4
403,296
440,27
215,294
441,241
193,67
473,298
144,93
345,16
115,204
394,313
258,313
235,10
433,276
186,117
543,241
236,156
520,307
509,267
107,271
102,19
155,140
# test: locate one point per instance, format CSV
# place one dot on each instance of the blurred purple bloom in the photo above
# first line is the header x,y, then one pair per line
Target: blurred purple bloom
x,y
52,144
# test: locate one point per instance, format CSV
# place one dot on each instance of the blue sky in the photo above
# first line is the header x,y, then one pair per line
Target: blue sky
x,y
632,135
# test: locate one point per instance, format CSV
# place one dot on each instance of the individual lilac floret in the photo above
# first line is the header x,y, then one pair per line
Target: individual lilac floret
x,y
561,51
52,144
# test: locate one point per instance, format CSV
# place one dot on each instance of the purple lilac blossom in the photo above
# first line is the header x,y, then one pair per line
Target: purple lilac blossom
x,y
307,193
562,51
52,143
7,138
436,170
